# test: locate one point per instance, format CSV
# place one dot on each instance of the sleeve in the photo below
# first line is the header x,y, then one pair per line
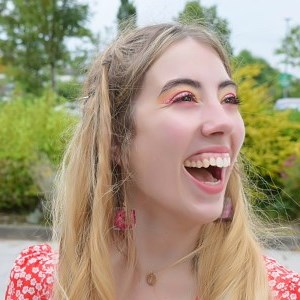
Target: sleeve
x,y
285,284
32,275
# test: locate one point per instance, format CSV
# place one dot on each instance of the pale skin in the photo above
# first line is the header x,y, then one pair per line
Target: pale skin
x,y
186,105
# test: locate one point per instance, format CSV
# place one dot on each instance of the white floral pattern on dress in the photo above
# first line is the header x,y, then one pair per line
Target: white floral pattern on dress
x,y
32,276
285,284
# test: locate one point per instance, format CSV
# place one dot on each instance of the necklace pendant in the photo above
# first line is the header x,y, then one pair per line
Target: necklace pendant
x,y
151,279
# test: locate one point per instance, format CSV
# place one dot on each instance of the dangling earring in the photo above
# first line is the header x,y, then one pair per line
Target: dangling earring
x,y
227,214
123,220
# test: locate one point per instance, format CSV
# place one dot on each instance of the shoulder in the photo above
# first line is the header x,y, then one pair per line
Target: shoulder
x,y
32,275
285,284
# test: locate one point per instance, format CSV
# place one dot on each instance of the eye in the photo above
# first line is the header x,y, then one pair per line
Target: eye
x,y
184,97
231,99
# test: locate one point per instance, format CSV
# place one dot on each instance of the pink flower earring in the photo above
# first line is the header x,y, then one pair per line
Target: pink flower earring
x,y
123,220
227,214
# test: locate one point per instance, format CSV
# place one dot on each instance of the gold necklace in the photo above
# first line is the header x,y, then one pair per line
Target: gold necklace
x,y
151,277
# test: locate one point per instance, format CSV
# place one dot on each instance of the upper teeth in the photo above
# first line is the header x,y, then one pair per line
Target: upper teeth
x,y
220,162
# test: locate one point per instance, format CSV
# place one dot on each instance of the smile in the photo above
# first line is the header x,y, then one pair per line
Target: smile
x,y
207,170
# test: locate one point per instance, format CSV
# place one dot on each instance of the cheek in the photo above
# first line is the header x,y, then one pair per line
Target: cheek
x,y
176,130
157,138
158,149
166,131
239,133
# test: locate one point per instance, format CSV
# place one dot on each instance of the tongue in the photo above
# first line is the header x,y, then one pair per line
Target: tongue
x,y
201,174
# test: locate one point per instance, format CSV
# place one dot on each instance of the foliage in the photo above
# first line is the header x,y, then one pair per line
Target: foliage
x,y
195,13
33,35
291,174
289,50
271,138
268,76
70,90
290,47
27,129
294,88
126,15
17,189
295,116
291,181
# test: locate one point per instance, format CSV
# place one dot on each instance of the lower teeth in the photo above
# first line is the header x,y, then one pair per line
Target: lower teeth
x,y
212,182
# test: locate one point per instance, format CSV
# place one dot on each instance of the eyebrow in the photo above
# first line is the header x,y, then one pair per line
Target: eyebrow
x,y
226,83
193,83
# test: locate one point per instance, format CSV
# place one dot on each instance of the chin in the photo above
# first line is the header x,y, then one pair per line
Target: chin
x,y
200,216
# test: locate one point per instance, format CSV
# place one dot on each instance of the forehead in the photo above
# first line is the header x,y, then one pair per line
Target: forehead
x,y
187,58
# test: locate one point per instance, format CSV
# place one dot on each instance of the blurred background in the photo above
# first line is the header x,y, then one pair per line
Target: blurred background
x,y
46,47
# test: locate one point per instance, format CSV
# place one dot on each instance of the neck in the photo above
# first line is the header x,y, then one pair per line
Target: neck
x,y
162,240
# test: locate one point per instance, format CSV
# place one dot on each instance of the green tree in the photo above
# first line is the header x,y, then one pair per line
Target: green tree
x,y
289,50
126,15
267,76
196,13
290,47
33,35
294,90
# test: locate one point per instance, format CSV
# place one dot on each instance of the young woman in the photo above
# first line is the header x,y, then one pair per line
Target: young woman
x,y
150,202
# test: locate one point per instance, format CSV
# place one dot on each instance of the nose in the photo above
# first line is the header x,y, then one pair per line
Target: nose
x,y
217,120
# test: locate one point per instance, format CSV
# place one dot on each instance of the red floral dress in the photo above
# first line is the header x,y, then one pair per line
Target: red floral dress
x,y
32,276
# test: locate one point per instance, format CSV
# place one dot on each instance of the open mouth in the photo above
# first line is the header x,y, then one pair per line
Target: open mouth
x,y
209,170
210,174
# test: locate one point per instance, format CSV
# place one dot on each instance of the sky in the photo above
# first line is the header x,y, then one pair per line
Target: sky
x,y
256,25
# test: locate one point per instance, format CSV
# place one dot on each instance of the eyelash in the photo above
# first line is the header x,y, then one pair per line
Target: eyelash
x,y
183,95
232,99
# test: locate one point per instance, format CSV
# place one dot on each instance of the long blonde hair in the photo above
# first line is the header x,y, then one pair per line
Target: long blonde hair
x,y
92,183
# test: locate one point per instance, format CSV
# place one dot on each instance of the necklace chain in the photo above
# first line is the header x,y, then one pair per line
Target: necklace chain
x,y
151,277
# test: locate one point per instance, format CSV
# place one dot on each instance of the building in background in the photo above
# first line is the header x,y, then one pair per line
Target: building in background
x,y
288,103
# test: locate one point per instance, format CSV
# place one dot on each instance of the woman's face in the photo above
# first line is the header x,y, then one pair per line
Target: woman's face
x,y
189,132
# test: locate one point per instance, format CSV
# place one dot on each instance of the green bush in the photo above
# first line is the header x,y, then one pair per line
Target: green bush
x,y
70,90
17,189
291,182
271,138
295,116
28,129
